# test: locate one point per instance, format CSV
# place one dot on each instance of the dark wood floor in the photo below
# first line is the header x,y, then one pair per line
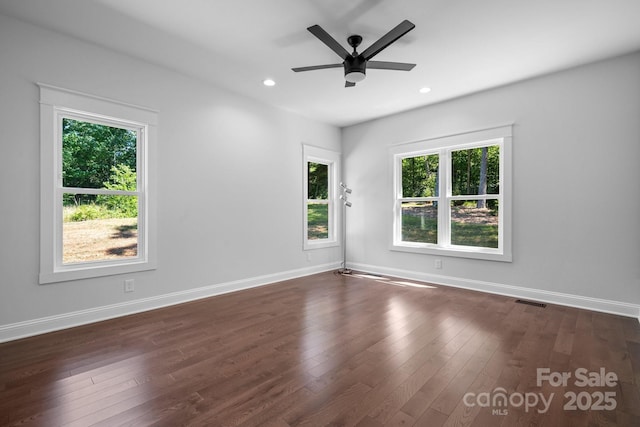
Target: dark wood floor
x,y
328,350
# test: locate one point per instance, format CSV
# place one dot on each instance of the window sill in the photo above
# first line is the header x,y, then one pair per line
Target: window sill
x,y
459,252
319,244
95,270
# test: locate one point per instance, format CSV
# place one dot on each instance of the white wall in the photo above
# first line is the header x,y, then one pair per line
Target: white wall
x,y
576,210
229,174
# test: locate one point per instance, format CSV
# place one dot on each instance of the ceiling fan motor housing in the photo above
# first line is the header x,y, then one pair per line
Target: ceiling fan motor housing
x,y
355,69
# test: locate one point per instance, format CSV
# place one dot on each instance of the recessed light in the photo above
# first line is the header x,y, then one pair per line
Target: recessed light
x,y
268,82
425,90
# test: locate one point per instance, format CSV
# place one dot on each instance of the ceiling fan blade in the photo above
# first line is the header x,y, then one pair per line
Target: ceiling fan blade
x,y
325,38
383,65
317,67
400,30
349,84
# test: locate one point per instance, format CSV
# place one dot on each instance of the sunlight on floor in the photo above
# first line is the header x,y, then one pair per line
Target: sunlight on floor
x,y
80,394
389,281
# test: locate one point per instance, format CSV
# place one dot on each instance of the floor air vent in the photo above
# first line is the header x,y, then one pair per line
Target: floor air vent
x,y
533,303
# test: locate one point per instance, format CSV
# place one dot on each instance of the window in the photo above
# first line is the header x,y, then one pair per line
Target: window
x,y
453,197
96,186
321,168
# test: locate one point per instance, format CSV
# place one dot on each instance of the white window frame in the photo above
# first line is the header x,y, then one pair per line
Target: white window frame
x,y
56,104
443,146
332,160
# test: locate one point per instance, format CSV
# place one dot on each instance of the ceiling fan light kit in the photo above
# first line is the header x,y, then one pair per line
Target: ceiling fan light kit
x,y
355,64
355,76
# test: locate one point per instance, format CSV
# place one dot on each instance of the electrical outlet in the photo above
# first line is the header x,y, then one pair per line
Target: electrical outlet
x,y
129,285
438,263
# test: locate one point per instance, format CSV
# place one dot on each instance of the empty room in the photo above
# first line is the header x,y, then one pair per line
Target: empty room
x,y
319,212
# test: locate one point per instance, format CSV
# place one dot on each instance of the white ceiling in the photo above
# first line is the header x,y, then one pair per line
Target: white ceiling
x,y
459,46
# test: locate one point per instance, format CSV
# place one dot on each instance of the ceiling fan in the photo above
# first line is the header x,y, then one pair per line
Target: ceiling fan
x,y
355,64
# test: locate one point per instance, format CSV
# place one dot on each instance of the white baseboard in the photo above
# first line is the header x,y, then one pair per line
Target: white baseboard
x,y
67,320
577,301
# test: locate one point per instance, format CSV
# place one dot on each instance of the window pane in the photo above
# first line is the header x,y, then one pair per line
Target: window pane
x,y
318,179
98,156
475,171
317,221
99,228
474,223
420,222
420,176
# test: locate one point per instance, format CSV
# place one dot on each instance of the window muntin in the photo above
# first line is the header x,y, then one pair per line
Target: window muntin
x,y
450,196
97,179
321,169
